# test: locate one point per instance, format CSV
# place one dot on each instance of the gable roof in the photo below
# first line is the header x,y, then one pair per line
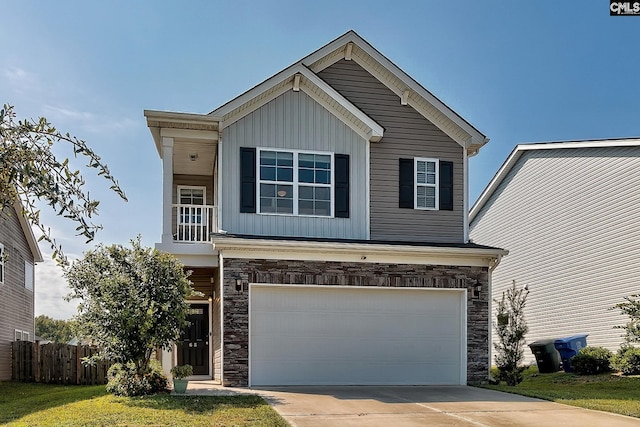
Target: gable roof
x,y
350,46
520,149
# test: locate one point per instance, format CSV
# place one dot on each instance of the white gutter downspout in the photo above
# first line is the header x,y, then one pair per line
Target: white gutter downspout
x,y
492,266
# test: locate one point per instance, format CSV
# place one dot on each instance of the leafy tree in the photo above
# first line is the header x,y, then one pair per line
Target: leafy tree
x,y
631,308
510,327
60,331
30,171
132,301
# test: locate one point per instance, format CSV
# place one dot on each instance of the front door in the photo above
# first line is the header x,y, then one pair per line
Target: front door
x,y
193,349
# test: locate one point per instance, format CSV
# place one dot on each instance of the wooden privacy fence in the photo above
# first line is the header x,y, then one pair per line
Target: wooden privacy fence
x,y
55,364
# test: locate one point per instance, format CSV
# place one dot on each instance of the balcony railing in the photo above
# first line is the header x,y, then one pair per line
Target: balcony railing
x,y
194,223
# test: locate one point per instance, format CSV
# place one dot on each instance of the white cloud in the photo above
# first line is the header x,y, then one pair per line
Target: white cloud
x,y
20,81
50,290
87,120
17,75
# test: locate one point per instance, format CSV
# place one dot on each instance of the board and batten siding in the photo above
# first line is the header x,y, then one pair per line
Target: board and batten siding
x,y
407,134
293,121
16,302
569,218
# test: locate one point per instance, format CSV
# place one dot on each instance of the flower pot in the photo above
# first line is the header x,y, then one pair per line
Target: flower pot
x,y
180,386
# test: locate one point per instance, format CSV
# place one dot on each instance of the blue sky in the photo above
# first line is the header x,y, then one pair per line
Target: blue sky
x,y
518,71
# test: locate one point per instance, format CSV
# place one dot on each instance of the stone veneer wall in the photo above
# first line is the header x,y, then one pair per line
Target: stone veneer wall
x,y
236,303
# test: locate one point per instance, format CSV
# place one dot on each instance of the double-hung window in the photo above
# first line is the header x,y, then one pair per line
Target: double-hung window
x,y
295,183
426,183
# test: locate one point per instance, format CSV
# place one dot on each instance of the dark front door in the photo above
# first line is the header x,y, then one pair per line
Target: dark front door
x,y
194,348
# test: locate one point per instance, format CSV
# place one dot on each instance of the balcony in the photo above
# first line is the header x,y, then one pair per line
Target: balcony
x,y
194,223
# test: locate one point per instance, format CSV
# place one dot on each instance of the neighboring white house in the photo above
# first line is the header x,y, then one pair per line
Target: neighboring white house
x,y
569,215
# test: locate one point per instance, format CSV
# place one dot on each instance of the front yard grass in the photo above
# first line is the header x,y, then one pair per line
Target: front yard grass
x,y
605,392
53,405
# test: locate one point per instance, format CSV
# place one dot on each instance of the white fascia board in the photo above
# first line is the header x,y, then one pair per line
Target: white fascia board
x,y
517,152
254,92
495,182
175,117
28,232
476,137
374,133
420,90
233,247
181,117
207,135
376,130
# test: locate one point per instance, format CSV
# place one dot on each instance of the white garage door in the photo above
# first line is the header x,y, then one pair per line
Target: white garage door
x,y
314,335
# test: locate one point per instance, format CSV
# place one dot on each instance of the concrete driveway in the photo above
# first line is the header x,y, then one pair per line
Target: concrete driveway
x,y
426,406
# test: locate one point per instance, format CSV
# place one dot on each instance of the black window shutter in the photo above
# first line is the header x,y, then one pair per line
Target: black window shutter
x,y
406,183
446,186
247,180
341,175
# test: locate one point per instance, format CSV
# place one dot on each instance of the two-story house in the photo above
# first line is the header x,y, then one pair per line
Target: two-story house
x,y
324,216
18,253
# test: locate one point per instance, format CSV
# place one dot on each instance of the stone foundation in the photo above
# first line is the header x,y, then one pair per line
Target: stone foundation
x,y
236,302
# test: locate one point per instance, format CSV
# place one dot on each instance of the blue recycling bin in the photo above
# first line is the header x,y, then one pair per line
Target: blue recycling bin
x,y
569,347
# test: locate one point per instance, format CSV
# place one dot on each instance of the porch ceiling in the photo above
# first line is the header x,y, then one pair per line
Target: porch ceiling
x,y
194,158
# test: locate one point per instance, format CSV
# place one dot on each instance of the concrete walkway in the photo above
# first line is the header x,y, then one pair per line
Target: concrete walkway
x,y
415,406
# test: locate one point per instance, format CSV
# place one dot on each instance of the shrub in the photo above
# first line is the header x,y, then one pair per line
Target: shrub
x,y
179,372
627,360
511,328
125,381
591,361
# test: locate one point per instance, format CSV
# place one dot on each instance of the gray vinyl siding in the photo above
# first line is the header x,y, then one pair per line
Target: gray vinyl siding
x,y
293,121
407,134
569,218
16,302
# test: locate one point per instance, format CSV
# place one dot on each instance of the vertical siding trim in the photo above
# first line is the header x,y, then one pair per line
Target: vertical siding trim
x,y
367,166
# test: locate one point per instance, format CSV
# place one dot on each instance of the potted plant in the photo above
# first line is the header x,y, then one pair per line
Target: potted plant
x,y
179,373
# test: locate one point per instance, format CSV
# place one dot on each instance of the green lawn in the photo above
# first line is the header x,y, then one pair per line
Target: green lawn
x,y
53,405
606,392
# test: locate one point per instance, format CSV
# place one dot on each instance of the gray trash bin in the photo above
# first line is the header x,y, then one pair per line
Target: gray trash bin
x,y
547,357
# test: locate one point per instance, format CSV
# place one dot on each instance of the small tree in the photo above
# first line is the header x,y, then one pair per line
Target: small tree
x,y
132,301
31,171
510,327
631,308
56,330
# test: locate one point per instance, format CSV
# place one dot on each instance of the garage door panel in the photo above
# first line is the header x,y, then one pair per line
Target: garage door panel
x,y
323,335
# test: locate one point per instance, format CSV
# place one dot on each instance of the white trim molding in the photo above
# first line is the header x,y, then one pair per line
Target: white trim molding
x,y
250,248
520,149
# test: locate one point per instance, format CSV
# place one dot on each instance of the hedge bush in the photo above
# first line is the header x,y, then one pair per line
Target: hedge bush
x,y
125,381
627,360
591,361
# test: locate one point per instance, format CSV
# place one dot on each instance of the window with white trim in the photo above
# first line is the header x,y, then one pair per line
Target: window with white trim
x,y
20,335
426,183
191,200
2,266
28,275
295,183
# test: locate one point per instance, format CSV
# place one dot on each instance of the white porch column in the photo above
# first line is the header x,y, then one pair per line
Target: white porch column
x,y
167,189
